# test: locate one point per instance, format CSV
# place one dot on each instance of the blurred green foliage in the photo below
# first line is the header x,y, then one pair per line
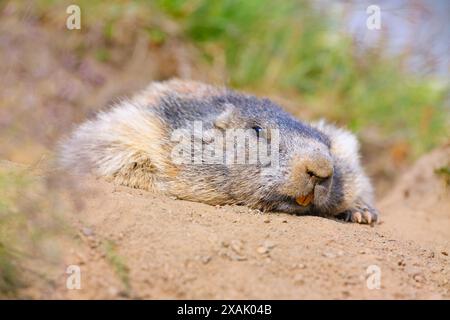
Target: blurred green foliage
x,y
29,224
118,264
444,172
10,220
291,48
290,44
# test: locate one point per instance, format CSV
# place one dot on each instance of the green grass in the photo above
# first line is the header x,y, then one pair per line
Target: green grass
x,y
444,173
284,48
29,225
287,46
117,263
10,222
10,280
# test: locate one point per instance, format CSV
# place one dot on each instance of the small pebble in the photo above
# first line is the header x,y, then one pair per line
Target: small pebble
x,y
87,231
418,278
299,279
262,250
237,257
269,244
93,244
236,246
113,291
205,259
329,255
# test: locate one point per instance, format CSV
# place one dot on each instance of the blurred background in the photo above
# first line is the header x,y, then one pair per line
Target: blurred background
x,y
316,58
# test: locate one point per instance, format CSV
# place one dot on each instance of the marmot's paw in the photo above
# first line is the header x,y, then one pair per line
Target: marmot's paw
x,y
361,213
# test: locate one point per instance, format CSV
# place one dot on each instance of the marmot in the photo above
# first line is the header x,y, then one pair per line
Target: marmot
x,y
136,143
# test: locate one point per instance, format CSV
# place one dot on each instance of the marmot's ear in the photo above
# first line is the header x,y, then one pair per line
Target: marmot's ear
x,y
224,119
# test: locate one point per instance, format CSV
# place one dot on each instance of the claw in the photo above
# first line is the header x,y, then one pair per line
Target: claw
x,y
348,216
367,216
356,217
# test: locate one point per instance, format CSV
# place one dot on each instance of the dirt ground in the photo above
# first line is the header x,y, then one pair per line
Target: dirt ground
x,y
134,244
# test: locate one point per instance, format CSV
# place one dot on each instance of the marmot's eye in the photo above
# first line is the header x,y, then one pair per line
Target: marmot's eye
x,y
258,130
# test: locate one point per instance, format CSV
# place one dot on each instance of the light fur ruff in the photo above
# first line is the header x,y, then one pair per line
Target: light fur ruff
x,y
131,144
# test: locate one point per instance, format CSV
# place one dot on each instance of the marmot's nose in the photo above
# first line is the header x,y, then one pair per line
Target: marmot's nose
x,y
319,167
316,167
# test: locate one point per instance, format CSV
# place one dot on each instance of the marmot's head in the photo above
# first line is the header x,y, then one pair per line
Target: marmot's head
x,y
303,176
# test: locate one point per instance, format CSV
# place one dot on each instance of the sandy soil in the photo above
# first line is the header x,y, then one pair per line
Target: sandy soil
x,y
134,244
167,248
